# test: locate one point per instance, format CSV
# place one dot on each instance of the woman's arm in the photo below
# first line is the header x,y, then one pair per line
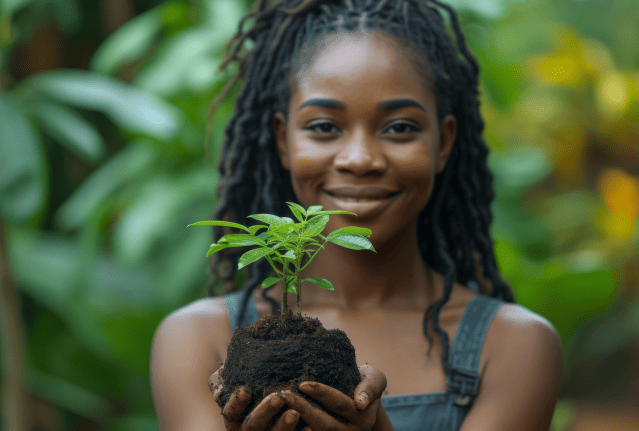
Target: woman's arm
x,y
520,386
181,363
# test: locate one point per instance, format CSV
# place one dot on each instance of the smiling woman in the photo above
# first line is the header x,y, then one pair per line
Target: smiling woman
x,y
366,106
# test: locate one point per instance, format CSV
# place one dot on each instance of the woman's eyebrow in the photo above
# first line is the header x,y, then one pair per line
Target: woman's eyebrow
x,y
391,105
387,105
323,103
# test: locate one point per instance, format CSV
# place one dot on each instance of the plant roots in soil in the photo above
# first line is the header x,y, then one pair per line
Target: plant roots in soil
x,y
280,352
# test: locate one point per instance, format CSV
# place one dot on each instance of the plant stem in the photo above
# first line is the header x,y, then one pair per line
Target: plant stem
x,y
313,256
284,298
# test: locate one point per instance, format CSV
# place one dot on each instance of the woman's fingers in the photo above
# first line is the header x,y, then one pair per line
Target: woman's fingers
x,y
234,408
261,416
312,415
215,384
288,421
371,387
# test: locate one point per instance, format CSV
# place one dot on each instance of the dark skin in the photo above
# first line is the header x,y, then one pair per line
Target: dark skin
x,y
375,126
361,116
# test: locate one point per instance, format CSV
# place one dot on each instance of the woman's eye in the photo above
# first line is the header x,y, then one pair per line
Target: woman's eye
x,y
402,128
322,128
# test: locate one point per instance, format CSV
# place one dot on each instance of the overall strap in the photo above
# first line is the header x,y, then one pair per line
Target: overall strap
x,y
465,354
234,304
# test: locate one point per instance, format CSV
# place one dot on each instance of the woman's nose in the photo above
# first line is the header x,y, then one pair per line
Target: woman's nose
x,y
360,155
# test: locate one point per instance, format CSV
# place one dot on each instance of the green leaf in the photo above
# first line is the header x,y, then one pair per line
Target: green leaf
x,y
298,211
269,219
102,183
335,212
215,248
129,42
269,281
264,236
289,254
352,241
281,229
127,106
253,229
253,255
316,225
321,282
71,130
240,240
351,229
219,223
23,172
291,288
313,209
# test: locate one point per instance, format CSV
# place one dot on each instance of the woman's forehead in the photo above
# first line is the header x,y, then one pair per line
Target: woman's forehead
x,y
348,58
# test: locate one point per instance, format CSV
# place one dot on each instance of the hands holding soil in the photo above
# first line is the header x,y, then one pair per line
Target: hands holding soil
x,y
360,413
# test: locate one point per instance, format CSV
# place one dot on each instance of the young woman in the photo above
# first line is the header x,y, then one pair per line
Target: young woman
x,y
367,106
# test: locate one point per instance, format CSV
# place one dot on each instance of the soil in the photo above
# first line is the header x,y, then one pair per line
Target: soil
x,y
280,352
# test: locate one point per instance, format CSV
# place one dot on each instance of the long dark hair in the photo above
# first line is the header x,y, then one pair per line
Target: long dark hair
x,y
453,229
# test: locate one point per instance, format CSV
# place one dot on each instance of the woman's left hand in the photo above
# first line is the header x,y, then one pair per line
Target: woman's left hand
x,y
364,412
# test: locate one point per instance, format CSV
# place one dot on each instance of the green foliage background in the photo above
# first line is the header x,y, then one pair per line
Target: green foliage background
x,y
103,107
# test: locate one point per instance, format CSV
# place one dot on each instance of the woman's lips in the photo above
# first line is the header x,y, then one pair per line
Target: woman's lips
x,y
362,206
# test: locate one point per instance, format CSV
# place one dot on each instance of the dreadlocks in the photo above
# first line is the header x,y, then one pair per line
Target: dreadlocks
x,y
453,229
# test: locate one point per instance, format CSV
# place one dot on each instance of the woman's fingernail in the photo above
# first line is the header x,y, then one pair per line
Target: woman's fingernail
x,y
363,398
291,417
244,395
307,387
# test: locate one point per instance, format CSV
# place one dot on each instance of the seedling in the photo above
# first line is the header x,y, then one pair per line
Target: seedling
x,y
285,244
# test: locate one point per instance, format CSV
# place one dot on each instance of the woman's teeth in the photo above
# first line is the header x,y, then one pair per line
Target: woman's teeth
x,y
355,199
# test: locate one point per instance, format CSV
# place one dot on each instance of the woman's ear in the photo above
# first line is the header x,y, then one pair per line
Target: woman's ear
x,y
279,128
447,135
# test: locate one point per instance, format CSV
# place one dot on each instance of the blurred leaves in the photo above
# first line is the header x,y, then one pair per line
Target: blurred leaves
x,y
23,178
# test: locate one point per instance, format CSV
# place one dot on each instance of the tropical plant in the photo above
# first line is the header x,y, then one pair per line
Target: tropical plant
x,y
295,240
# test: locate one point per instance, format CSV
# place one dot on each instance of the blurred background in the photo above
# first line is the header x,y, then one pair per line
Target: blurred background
x,y
103,107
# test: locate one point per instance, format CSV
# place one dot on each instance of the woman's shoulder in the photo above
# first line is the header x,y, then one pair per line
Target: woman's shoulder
x,y
210,318
516,331
515,318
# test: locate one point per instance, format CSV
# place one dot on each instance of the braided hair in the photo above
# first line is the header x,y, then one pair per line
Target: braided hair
x,y
453,229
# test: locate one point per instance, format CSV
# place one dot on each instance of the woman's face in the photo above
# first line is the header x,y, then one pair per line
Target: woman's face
x,y
362,134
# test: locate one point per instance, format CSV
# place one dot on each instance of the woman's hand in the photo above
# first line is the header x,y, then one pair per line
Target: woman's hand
x,y
363,413
261,416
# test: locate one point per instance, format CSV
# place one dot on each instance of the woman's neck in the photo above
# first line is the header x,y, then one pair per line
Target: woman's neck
x,y
395,276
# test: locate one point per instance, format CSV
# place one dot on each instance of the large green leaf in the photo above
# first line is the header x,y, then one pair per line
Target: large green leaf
x,y
157,212
219,223
71,130
351,229
45,267
268,218
129,42
253,255
352,241
67,395
321,282
130,108
298,211
23,180
316,225
103,182
243,239
188,60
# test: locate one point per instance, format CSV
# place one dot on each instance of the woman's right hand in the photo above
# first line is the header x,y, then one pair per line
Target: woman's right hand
x,y
261,416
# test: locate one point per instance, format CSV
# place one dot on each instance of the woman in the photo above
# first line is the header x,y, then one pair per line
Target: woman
x,y
366,106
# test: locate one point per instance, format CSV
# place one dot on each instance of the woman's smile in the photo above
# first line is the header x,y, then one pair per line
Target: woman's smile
x,y
364,202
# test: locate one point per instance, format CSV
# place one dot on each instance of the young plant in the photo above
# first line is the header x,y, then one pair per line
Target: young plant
x,y
285,244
